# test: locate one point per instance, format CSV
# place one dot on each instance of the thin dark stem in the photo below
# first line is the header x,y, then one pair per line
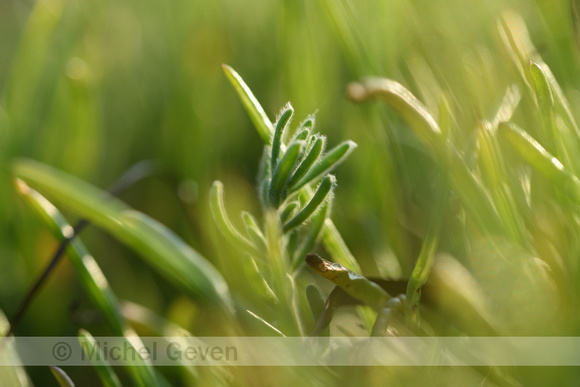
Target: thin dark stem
x,y
134,174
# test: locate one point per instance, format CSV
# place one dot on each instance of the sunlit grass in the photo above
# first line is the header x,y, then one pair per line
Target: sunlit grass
x,y
465,176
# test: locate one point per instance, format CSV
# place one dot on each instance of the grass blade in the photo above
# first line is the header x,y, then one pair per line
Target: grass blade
x,y
91,277
15,375
222,220
429,247
469,189
546,105
253,108
336,246
407,105
158,245
106,374
541,160
61,377
316,303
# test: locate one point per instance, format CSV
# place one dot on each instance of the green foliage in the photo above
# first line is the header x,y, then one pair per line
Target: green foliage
x,y
465,183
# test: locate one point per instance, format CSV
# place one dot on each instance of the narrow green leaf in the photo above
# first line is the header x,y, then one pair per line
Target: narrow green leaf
x,y
508,105
316,303
315,300
429,247
407,105
336,246
281,124
308,161
354,284
15,375
277,190
519,45
445,116
161,247
302,135
257,281
334,157
280,281
495,177
270,328
313,235
252,229
29,61
473,195
61,377
469,189
253,108
546,105
289,210
91,277
104,370
222,220
461,297
320,196
308,123
541,160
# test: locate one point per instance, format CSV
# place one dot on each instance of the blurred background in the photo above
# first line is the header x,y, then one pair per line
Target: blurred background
x,y
93,87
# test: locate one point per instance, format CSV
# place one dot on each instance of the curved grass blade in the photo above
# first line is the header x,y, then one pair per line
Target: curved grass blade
x,y
161,247
519,45
106,374
541,160
546,105
407,105
15,375
469,189
508,105
253,108
429,247
473,195
61,377
334,157
495,177
253,231
257,281
30,58
320,196
220,217
445,116
91,278
336,246
316,303
158,325
354,284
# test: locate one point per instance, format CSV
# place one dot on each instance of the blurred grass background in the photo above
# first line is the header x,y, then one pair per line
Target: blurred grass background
x,y
93,87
